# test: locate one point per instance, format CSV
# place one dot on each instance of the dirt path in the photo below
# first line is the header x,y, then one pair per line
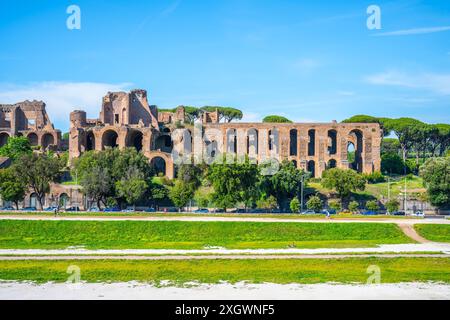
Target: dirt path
x,y
224,257
410,232
411,221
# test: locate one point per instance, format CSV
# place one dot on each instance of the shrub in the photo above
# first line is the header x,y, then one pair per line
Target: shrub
x,y
295,205
372,205
375,177
314,203
392,205
335,205
353,206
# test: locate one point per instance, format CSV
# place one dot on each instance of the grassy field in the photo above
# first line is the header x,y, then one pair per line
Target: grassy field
x,y
346,270
434,232
46,234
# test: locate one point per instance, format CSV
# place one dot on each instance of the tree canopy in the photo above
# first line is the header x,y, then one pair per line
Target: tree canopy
x,y
343,181
436,176
16,147
276,119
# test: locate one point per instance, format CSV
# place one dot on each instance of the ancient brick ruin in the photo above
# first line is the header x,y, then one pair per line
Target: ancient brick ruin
x,y
28,119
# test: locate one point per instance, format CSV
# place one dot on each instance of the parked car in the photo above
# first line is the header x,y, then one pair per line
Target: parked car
x,y
369,213
418,214
72,209
308,212
399,213
94,209
259,211
203,210
150,210
328,211
28,209
111,209
129,209
7,208
51,209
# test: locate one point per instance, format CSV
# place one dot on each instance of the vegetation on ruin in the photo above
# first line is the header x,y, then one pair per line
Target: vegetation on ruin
x,y
283,271
276,119
47,234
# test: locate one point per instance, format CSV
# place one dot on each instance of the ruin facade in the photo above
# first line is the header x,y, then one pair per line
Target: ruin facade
x,y
28,119
127,120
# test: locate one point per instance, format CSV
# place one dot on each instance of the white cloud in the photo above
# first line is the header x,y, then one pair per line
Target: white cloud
x,y
437,83
408,32
62,97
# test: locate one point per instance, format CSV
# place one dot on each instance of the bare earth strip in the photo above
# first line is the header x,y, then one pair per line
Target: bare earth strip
x,y
215,257
223,291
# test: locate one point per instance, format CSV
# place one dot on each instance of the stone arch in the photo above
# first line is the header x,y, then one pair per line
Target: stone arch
x,y
159,165
294,162
135,139
331,164
293,138
312,142
4,136
64,200
110,139
47,140
355,138
33,202
231,141
90,141
163,143
332,142
273,140
33,138
311,168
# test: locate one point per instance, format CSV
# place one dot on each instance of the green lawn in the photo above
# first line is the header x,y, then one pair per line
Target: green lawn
x,y
22,234
434,232
346,270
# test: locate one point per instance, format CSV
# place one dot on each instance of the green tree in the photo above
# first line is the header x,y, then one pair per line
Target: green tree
x,y
38,171
372,205
295,205
392,205
232,182
181,193
436,176
98,185
269,203
132,186
390,145
226,113
314,203
343,181
12,186
276,119
353,206
392,163
284,184
15,148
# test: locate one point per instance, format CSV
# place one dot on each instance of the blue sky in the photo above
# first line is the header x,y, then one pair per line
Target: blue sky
x,y
307,60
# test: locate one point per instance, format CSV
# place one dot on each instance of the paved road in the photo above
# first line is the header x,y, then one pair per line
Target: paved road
x,y
410,221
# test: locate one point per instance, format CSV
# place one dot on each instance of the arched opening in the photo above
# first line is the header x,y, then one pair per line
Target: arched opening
x,y
166,130
90,141
33,138
331,164
159,166
312,142
109,139
211,148
354,150
63,200
293,142
294,162
134,139
312,168
47,140
332,142
164,143
252,143
33,200
231,141
273,140
3,138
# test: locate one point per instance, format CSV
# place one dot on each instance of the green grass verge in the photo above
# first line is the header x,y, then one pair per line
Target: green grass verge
x,y
47,234
346,270
434,232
